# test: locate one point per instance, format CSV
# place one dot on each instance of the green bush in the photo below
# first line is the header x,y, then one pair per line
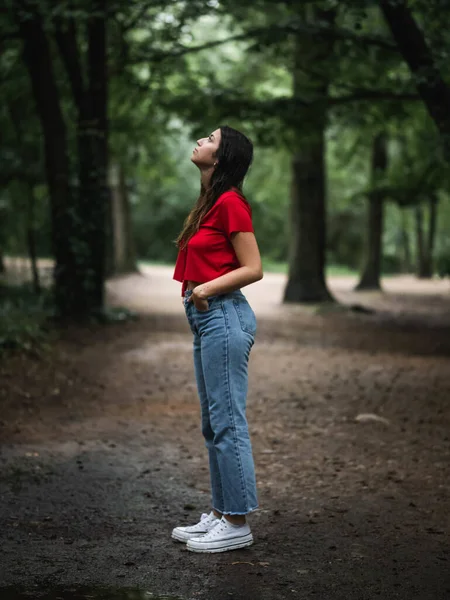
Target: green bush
x,y
24,318
391,264
443,264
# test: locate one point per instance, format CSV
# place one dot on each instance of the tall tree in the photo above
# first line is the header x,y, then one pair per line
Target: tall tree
x,y
309,42
405,244
78,210
370,278
123,259
89,92
306,281
38,61
413,46
426,241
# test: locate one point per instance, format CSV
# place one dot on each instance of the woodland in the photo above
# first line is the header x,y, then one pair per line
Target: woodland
x,y
347,103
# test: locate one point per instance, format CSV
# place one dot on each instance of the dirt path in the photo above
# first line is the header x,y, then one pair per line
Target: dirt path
x,y
101,451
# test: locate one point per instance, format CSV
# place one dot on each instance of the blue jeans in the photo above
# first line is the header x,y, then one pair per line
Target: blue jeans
x,y
223,337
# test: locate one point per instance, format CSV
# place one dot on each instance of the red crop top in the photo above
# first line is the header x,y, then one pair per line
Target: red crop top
x,y
210,253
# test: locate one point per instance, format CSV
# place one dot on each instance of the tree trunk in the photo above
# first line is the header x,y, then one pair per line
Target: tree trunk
x,y
3,227
433,206
432,88
31,237
98,91
124,256
307,251
306,282
425,249
90,97
421,253
26,158
405,242
370,279
37,59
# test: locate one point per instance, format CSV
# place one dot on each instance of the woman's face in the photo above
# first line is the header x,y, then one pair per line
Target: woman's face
x,y
204,154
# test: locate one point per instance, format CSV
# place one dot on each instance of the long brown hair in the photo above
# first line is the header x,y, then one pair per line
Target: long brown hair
x,y
234,156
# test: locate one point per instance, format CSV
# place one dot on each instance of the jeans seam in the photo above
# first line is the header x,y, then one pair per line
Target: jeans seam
x,y
230,406
218,478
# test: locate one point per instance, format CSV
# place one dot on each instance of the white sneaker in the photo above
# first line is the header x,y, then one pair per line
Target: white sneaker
x,y
221,537
183,534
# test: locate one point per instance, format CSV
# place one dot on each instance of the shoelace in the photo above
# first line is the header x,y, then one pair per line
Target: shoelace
x,y
203,517
217,529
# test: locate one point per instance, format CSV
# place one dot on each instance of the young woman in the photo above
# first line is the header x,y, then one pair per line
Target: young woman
x,y
218,255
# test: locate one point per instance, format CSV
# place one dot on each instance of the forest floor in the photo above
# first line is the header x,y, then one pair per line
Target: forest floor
x,y
101,452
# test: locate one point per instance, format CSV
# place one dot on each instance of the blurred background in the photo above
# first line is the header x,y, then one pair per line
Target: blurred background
x,y
347,104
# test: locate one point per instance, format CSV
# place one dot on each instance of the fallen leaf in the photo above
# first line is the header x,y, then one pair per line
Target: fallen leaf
x,y
364,417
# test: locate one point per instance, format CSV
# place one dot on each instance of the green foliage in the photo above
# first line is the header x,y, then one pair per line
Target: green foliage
x,y
247,83
164,92
333,270
163,187
25,319
443,263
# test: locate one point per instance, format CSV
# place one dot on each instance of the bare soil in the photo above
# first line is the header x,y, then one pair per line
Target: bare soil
x,y
101,451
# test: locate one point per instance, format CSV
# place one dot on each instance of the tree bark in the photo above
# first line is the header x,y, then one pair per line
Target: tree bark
x,y
37,59
370,278
123,250
405,242
425,247
98,90
306,282
421,260
31,237
433,206
411,42
89,92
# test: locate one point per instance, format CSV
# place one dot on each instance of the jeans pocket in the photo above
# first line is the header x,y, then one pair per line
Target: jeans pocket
x,y
247,317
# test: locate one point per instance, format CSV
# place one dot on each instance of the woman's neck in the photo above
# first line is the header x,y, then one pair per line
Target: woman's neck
x,y
205,177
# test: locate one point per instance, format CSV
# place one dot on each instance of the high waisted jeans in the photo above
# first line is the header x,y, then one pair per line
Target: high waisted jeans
x,y
223,337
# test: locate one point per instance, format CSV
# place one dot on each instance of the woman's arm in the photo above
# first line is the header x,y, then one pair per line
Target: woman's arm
x,y
247,252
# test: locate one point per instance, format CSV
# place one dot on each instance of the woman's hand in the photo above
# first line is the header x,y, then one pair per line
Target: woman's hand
x,y
199,301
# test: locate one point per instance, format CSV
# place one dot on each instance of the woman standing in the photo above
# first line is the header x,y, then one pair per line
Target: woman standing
x,y
218,255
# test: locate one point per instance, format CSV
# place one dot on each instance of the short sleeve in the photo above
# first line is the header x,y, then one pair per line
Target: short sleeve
x,y
235,214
